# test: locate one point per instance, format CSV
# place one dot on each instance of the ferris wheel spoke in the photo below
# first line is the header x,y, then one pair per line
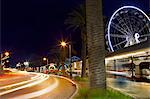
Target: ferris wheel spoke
x,y
135,24
125,23
145,39
117,35
129,23
131,27
119,43
135,29
118,28
127,44
143,27
145,35
121,22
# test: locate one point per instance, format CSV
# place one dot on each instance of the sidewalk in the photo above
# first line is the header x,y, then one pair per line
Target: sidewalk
x,y
138,90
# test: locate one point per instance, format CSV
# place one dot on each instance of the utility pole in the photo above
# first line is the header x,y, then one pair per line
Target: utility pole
x,y
70,61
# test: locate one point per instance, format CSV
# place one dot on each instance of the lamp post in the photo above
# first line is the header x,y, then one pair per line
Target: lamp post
x,y
45,59
64,44
70,61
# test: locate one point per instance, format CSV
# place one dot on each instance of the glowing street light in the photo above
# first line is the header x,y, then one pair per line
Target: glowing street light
x,y
45,59
63,44
7,53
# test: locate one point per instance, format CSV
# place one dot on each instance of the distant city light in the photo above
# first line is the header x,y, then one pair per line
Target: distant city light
x,y
26,63
7,61
18,64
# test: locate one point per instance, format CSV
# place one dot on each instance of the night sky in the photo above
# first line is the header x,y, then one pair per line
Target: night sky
x,y
34,26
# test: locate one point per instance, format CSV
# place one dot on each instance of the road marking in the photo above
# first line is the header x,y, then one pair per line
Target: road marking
x,y
43,78
39,93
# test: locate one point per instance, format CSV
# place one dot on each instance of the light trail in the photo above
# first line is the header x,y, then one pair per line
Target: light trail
x,y
39,93
23,82
45,77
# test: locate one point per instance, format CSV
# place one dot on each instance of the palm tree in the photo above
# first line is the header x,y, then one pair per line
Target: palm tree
x,y
55,54
76,21
95,38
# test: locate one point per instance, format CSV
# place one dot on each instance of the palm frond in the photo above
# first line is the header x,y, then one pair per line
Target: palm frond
x,y
76,19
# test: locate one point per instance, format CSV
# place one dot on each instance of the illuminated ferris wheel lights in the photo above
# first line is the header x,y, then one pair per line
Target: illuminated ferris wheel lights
x,y
127,26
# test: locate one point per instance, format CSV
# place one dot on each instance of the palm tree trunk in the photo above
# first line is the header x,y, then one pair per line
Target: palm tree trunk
x,y
83,55
95,38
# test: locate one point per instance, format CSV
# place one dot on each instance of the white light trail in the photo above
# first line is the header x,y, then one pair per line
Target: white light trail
x,y
43,78
39,93
38,76
127,54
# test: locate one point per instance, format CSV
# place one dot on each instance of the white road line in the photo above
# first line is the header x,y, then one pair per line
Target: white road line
x,y
45,77
39,93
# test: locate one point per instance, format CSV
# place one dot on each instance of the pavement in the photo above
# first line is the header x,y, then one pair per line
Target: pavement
x,y
37,86
137,90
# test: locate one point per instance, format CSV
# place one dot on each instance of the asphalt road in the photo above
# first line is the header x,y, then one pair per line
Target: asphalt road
x,y
52,87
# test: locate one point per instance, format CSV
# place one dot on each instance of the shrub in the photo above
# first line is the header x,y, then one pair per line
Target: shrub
x,y
77,78
83,93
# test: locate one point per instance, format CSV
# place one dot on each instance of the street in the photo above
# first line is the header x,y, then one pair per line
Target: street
x,y
37,86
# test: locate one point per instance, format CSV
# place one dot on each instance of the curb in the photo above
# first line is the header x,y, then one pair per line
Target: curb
x,y
77,88
122,92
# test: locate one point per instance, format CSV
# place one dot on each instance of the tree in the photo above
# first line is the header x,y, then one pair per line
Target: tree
x,y
55,55
76,21
95,38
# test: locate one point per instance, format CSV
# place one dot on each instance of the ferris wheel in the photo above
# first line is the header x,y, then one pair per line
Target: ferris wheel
x,y
127,26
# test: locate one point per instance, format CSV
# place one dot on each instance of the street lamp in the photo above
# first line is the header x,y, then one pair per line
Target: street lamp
x,y
64,44
6,53
45,59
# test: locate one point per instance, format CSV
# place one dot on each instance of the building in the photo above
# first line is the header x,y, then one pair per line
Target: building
x,y
132,62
